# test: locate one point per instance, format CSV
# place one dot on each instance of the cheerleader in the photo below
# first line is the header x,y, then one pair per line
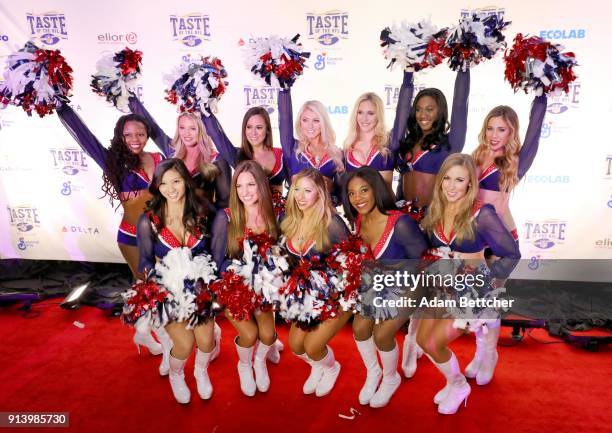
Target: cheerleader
x,y
367,143
314,146
421,151
310,228
256,145
390,235
250,211
126,168
175,218
502,162
458,223
192,144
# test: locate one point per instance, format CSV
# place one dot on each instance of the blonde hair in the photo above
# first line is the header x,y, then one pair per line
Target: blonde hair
x,y
237,222
316,227
463,222
328,136
381,135
205,146
507,164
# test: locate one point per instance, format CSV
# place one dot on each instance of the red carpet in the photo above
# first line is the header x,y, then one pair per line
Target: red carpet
x,y
95,374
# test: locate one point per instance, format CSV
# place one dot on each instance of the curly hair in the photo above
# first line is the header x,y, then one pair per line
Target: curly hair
x,y
437,139
120,160
195,209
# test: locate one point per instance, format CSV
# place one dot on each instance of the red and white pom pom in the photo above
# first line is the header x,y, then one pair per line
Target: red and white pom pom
x,y
180,275
197,86
235,295
413,46
538,65
346,259
116,77
279,61
477,37
36,79
144,300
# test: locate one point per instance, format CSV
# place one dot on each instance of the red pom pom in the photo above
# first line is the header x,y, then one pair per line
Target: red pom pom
x,y
235,295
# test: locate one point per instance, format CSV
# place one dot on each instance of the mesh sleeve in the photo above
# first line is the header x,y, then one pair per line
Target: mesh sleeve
x,y
412,239
222,184
285,122
146,239
218,243
458,130
402,112
83,136
220,139
499,239
157,134
532,137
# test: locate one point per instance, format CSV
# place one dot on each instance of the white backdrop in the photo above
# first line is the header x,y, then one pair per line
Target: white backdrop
x,y
50,190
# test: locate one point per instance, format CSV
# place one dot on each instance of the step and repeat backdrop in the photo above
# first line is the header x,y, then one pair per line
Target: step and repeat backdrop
x,y
52,204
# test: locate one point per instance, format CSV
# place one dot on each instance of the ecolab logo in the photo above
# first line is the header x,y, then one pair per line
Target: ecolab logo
x,y
261,96
190,29
563,34
560,103
24,218
70,160
327,28
558,179
545,234
48,27
118,38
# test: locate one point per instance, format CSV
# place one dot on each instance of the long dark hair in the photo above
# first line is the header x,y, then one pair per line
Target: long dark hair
x,y
437,138
120,159
383,196
246,150
195,210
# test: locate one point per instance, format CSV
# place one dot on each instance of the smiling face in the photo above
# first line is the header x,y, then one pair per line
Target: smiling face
x,y
310,124
497,134
455,183
361,195
247,189
306,194
135,136
427,112
255,130
172,186
366,116
188,131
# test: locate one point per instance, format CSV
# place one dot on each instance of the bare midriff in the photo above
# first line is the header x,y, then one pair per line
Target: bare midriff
x,y
419,185
135,206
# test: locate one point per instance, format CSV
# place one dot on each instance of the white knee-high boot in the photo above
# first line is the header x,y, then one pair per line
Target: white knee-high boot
x,y
315,375
200,372
489,353
143,337
411,350
245,369
262,379
458,388
367,350
166,344
331,370
177,380
391,379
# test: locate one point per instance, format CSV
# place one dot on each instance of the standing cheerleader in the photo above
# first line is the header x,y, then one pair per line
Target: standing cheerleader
x,y
389,235
311,227
314,146
250,213
126,168
175,220
502,162
461,225
256,145
428,141
367,143
192,144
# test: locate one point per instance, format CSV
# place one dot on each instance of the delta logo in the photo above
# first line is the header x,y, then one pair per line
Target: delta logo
x,y
545,234
191,29
48,27
327,28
